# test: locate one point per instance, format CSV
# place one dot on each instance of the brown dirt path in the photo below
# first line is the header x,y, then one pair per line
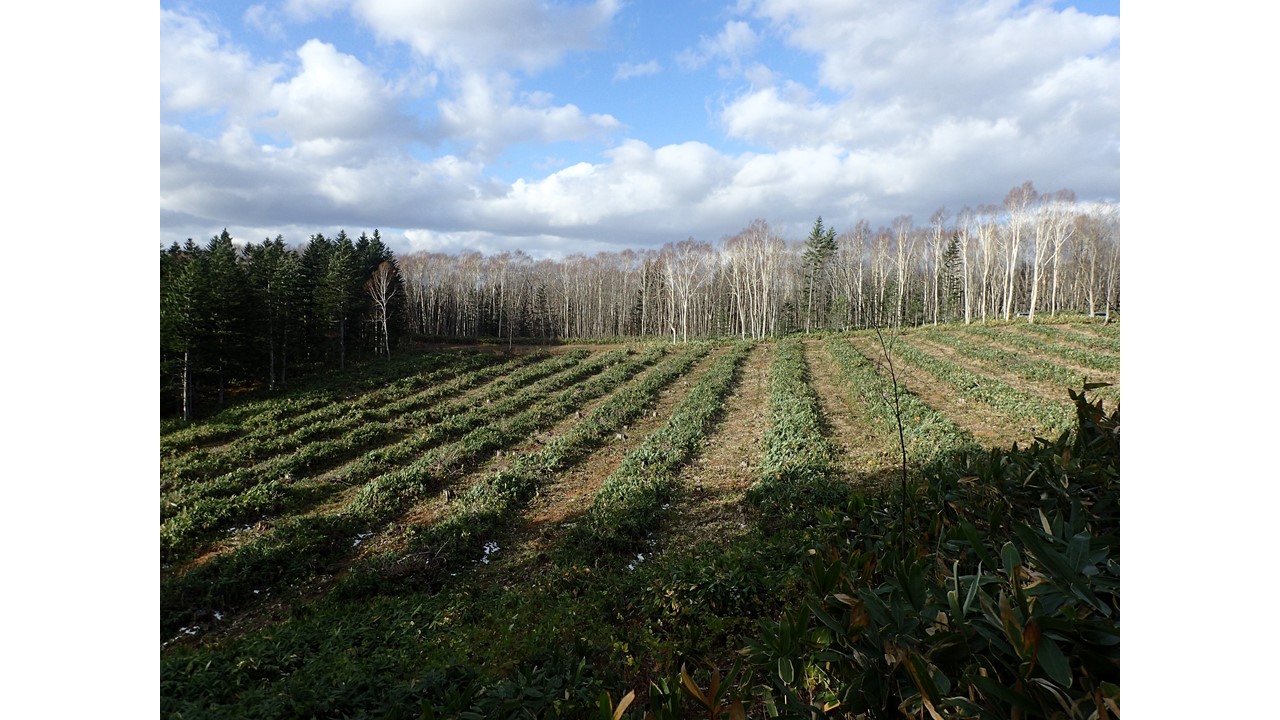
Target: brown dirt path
x,y
436,506
988,427
560,503
1093,374
390,536
1044,390
1088,332
710,504
863,452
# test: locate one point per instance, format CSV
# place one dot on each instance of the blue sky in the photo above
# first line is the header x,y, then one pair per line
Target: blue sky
x,y
576,127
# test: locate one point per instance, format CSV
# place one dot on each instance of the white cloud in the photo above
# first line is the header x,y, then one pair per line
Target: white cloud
x,y
525,34
784,117
736,42
945,57
487,114
335,97
198,73
628,70
307,10
914,101
937,91
265,20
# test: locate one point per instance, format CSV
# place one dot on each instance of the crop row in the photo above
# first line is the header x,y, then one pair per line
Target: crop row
x,y
233,421
1025,367
797,461
388,493
629,503
202,518
1092,359
318,454
468,413
269,439
1045,415
301,547
1105,343
489,507
928,434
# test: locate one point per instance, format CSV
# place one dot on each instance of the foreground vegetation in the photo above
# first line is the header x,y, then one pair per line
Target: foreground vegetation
x,y
403,572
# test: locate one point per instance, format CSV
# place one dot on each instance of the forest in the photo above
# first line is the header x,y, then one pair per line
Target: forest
x,y
255,314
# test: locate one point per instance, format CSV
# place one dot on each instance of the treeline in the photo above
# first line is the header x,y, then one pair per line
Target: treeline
x,y
259,313
1032,254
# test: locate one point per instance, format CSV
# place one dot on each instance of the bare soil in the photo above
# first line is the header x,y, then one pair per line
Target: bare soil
x,y
1092,373
709,506
1043,390
433,508
864,456
560,503
986,427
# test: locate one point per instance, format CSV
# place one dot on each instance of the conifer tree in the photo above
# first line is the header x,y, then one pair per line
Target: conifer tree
x,y
314,265
183,299
819,248
227,312
337,295
275,276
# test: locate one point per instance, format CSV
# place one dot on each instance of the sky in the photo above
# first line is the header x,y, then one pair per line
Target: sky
x,y
577,127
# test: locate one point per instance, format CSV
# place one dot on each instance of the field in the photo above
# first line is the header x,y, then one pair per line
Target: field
x,y
493,532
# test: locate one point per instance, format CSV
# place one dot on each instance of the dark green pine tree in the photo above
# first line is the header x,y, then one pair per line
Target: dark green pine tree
x,y
228,313
819,248
183,326
314,329
275,277
338,294
952,281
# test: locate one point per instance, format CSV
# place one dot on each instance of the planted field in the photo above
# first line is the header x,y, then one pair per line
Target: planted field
x,y
483,532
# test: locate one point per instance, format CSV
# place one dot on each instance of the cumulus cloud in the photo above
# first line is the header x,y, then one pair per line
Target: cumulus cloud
x,y
944,57
487,114
913,104
334,97
938,91
199,73
526,34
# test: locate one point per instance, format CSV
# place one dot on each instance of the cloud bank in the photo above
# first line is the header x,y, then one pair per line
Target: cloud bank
x,y
900,108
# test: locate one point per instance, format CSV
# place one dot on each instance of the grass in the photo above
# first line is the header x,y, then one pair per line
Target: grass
x,y
296,622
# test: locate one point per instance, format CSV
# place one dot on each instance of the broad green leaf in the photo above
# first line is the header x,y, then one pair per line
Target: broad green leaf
x,y
786,671
1011,558
1058,566
1055,664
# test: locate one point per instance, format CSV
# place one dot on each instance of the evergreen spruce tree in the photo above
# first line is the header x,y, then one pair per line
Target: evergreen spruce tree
x,y
819,248
314,327
184,295
338,294
952,282
228,313
275,276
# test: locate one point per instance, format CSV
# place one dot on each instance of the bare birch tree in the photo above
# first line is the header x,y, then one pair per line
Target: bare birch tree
x,y
964,232
1016,203
905,247
937,231
382,288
